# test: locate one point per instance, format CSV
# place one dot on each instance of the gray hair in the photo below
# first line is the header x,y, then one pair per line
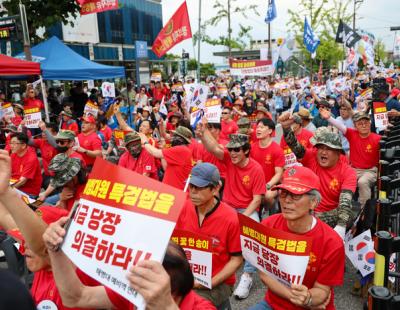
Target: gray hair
x,y
315,195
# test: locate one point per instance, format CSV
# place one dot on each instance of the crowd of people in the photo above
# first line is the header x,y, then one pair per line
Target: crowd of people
x,y
290,154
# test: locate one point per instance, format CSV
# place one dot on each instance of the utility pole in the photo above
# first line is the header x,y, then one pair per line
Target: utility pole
x,y
229,30
269,37
311,23
395,53
354,12
198,47
25,32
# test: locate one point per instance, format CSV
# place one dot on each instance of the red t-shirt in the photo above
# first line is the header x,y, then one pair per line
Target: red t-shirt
x,y
27,166
333,180
364,152
326,265
107,132
241,184
145,163
207,157
70,125
195,146
221,224
47,151
192,301
304,139
179,160
91,142
16,120
228,128
45,293
268,157
30,103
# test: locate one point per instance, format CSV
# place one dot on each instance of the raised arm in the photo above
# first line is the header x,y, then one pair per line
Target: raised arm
x,y
122,124
326,114
209,142
286,121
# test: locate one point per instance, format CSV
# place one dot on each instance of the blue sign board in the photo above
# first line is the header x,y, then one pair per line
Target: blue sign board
x,y
141,49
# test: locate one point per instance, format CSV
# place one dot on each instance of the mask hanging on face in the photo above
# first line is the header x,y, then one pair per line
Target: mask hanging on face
x,y
135,150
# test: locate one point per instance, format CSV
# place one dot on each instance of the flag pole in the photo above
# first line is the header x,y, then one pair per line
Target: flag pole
x,y
198,46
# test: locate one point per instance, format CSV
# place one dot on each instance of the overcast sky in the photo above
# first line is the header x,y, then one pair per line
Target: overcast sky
x,y
375,16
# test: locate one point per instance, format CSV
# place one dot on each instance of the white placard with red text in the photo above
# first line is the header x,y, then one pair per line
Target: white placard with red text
x,y
380,115
32,118
212,112
281,255
198,250
113,226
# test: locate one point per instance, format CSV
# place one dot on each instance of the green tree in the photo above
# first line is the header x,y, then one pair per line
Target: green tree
x,y
324,19
380,52
207,69
43,13
225,11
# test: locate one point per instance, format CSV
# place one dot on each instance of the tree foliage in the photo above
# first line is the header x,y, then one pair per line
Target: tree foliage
x,y
206,69
324,18
226,11
43,13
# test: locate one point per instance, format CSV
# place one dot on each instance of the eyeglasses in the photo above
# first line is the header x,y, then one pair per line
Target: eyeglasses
x,y
283,193
235,149
62,142
225,113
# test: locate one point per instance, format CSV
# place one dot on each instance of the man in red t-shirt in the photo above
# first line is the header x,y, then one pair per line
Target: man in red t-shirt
x,y
244,186
228,125
167,286
30,100
26,174
137,159
299,196
178,158
269,155
89,142
67,123
302,135
364,151
206,215
338,179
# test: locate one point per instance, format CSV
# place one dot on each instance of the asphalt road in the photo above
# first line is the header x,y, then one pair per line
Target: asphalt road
x,y
343,299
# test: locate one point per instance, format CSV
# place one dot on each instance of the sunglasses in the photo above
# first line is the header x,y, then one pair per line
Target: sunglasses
x,y
225,113
283,193
235,149
62,142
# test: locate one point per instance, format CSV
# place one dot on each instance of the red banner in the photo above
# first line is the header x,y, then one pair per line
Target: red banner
x,y
176,30
97,6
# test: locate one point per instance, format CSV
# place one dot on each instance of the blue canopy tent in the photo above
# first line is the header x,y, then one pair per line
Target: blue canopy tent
x,y
59,62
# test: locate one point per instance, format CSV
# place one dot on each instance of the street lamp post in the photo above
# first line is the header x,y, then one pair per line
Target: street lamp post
x,y
25,32
354,13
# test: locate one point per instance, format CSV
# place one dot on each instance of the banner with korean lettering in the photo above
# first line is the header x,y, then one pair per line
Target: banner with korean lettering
x,y
175,31
281,255
97,6
212,112
91,108
7,110
251,67
198,250
380,115
32,117
113,225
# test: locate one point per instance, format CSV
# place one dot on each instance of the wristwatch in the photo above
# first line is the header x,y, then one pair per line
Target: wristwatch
x,y
146,142
268,186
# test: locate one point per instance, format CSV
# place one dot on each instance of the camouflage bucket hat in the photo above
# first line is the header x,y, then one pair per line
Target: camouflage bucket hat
x,y
360,115
65,135
243,122
130,137
184,132
237,140
65,169
330,139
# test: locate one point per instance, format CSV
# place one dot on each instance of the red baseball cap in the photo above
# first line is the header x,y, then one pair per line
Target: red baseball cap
x,y
299,180
48,214
395,92
89,119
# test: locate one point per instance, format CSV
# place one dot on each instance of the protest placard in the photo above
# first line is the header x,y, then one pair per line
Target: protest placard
x,y
198,250
7,110
281,255
119,136
91,108
156,77
108,89
113,225
380,115
212,112
32,117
